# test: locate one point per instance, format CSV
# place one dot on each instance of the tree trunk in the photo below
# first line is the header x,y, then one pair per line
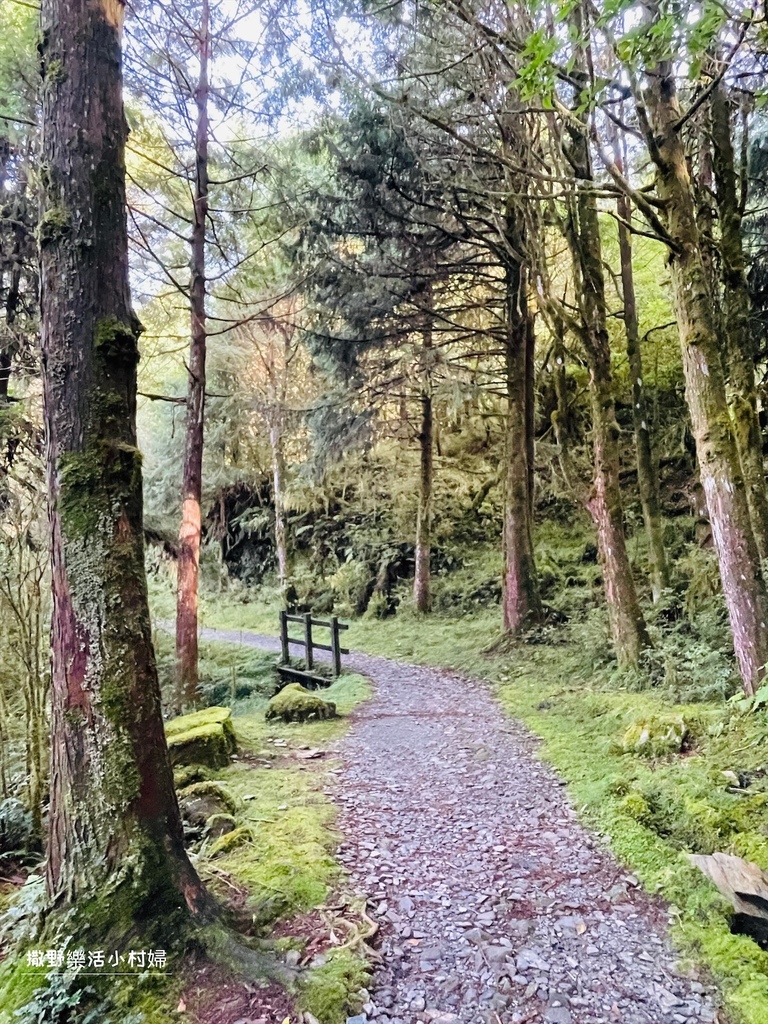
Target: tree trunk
x,y
743,584
278,487
628,628
647,473
521,601
422,597
115,840
192,480
737,343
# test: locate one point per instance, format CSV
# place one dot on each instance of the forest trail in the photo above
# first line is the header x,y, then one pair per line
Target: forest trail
x,y
495,905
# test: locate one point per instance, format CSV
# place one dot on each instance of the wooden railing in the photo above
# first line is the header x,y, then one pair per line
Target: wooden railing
x,y
310,645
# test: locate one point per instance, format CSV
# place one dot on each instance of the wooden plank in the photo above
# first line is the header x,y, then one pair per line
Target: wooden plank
x,y
335,650
310,680
284,637
308,641
315,622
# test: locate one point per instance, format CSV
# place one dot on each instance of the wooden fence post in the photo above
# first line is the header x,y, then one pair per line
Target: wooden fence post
x,y
308,641
336,652
284,637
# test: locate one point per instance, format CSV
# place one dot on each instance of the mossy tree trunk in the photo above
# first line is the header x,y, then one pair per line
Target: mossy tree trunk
x,y
743,585
604,504
187,599
278,487
647,471
521,602
738,342
115,840
422,595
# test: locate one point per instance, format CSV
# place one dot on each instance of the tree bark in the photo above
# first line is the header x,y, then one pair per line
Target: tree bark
x,y
738,344
115,840
278,487
187,681
743,585
647,473
521,602
422,596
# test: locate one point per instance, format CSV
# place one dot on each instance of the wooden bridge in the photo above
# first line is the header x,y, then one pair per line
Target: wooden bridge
x,y
309,678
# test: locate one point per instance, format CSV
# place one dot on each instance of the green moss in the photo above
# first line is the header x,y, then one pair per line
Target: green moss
x,y
219,716
654,736
330,992
116,340
187,774
206,745
205,737
54,224
295,704
218,790
219,825
230,841
54,72
92,482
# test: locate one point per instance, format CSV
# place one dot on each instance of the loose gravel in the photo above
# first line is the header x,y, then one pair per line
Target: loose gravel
x,y
495,906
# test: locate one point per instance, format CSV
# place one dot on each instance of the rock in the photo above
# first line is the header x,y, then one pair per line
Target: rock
x,y
186,774
220,824
295,704
496,954
745,885
204,800
231,840
359,1019
654,736
205,737
292,958
557,1015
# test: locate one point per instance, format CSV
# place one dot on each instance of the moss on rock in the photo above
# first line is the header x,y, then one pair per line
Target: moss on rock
x,y
220,825
655,736
205,737
186,775
295,704
231,840
215,794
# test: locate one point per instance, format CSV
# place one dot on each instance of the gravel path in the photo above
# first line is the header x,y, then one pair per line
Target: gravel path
x,y
495,905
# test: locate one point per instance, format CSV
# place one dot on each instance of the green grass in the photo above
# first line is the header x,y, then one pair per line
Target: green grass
x,y
287,864
287,860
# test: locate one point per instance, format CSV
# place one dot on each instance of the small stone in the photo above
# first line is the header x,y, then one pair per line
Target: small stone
x,y
557,1015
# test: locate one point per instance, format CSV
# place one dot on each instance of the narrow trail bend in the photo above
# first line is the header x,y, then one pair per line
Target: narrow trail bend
x,y
495,905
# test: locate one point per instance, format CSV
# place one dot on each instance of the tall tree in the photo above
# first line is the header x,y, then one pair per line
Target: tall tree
x,y
647,469
736,325
662,119
187,679
114,823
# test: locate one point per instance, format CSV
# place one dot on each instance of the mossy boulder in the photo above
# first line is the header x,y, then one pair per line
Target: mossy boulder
x,y
205,737
187,774
201,801
295,704
231,840
220,825
655,736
